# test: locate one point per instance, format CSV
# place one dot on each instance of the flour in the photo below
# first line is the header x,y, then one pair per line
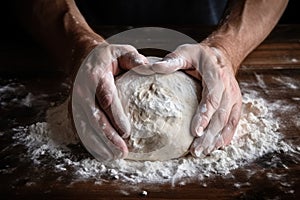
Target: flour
x,y
256,136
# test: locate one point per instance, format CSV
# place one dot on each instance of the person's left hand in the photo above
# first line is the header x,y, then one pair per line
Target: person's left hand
x,y
218,113
98,115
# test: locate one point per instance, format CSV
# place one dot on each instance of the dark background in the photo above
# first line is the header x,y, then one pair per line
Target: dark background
x,y
150,12
207,12
135,13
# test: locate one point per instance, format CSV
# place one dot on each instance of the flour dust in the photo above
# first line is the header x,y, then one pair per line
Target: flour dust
x,y
257,135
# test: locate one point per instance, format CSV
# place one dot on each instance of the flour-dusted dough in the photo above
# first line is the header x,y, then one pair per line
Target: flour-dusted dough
x,y
60,124
160,109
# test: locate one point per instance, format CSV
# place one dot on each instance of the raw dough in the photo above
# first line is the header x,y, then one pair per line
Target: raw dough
x,y
160,109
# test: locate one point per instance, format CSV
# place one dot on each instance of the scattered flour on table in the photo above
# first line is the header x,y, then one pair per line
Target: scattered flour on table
x,y
256,135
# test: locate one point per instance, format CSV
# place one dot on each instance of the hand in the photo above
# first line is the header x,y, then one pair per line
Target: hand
x,y
218,113
103,124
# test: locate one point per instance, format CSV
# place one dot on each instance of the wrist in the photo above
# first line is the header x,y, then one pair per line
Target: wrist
x,y
222,53
81,46
81,39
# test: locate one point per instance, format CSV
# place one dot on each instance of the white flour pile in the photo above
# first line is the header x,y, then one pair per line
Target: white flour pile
x,y
256,136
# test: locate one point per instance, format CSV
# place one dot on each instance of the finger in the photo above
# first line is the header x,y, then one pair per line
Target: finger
x,y
99,127
137,62
166,66
221,115
110,103
196,149
213,138
171,64
127,56
200,120
207,142
231,126
145,69
102,139
132,59
112,134
98,119
88,136
211,135
216,125
210,102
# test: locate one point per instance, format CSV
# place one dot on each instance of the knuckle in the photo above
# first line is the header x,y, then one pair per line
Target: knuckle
x,y
222,116
95,72
171,55
128,48
184,47
233,121
110,135
235,87
204,119
220,142
105,101
118,50
195,145
213,101
104,97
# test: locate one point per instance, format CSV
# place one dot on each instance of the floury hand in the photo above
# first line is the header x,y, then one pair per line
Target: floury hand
x,y
219,111
103,127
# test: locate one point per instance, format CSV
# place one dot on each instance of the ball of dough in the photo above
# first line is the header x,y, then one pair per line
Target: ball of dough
x,y
160,109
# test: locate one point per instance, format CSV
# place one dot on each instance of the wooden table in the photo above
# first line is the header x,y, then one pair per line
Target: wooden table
x,y
278,56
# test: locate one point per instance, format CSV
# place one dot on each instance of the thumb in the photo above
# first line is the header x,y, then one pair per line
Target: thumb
x,y
132,59
170,65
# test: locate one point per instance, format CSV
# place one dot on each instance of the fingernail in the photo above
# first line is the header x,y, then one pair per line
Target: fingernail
x,y
125,127
199,131
198,152
126,132
209,149
124,154
161,62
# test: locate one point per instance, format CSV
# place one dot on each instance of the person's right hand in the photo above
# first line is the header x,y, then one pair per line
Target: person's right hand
x,y
103,124
218,113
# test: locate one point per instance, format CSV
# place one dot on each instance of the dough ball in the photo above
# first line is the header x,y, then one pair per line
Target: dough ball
x,y
160,109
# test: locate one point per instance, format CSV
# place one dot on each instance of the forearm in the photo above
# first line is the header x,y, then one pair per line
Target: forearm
x,y
245,26
59,26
